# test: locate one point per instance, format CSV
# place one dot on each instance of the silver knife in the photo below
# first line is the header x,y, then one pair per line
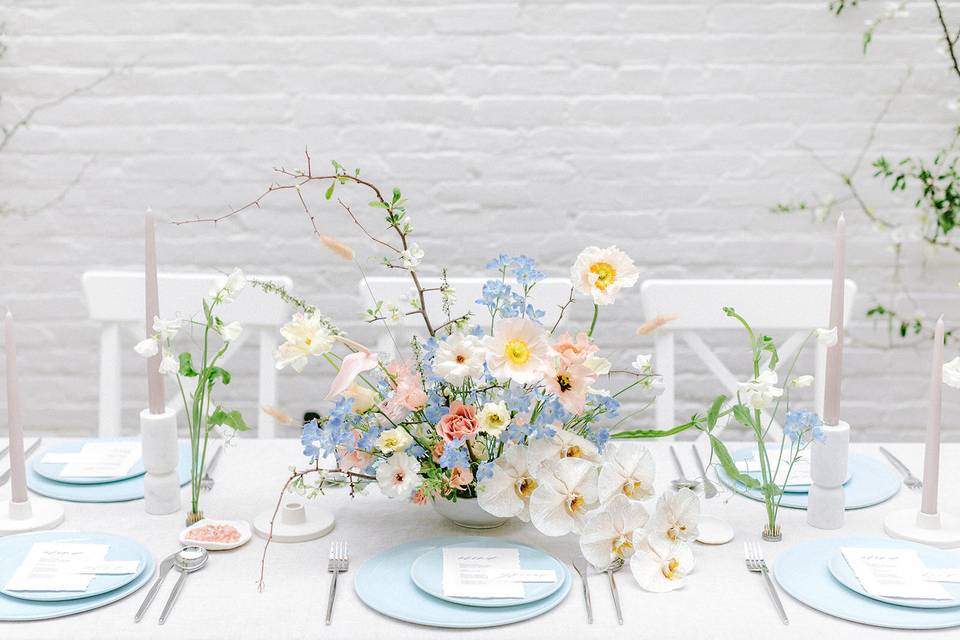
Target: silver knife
x,y
910,480
29,449
165,565
580,564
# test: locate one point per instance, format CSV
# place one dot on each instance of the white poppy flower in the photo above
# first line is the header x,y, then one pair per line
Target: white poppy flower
x,y
608,533
394,440
458,357
169,363
398,475
412,256
518,351
231,331
626,470
643,364
676,517
802,381
306,335
506,493
659,565
564,444
951,373
167,329
602,273
494,417
565,492
827,337
148,348
762,390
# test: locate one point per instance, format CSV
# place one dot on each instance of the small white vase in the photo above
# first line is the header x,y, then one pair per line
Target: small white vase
x,y
161,484
467,513
828,472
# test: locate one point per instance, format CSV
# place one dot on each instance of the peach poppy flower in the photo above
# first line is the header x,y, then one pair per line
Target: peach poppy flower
x,y
574,349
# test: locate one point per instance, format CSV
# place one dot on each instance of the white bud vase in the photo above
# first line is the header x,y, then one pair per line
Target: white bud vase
x,y
828,471
161,484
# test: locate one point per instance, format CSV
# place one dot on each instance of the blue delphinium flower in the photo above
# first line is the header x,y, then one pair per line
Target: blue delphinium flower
x,y
517,399
310,438
514,433
803,426
525,271
599,437
611,406
416,451
368,441
552,411
502,261
484,471
454,455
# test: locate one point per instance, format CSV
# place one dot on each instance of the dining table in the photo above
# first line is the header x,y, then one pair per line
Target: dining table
x,y
721,598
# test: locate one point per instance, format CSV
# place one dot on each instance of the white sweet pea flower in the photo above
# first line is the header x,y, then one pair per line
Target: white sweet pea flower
x,y
494,417
676,517
225,290
458,357
627,470
600,366
398,475
801,382
951,373
166,329
412,256
609,532
506,493
762,390
169,365
566,491
394,440
643,364
660,565
827,337
148,348
563,444
231,331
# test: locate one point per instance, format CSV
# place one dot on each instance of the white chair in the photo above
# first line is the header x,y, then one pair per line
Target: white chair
x,y
116,299
549,294
768,305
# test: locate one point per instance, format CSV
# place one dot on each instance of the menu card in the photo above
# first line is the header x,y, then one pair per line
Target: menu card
x,y
893,573
65,566
100,460
799,474
468,572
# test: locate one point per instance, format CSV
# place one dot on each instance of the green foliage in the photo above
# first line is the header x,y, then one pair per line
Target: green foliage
x,y
232,419
186,365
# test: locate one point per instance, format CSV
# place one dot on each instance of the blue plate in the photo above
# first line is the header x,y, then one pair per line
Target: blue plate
x,y
931,557
52,471
15,609
383,583
114,491
427,573
871,482
803,573
15,548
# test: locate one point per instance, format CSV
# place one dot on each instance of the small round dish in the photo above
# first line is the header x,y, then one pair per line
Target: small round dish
x,y
221,535
427,574
714,530
931,557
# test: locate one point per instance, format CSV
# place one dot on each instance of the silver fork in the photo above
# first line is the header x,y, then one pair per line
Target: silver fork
x,y
338,563
756,563
207,481
911,481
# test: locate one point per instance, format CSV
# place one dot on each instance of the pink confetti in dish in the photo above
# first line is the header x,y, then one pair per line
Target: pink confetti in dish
x,y
222,533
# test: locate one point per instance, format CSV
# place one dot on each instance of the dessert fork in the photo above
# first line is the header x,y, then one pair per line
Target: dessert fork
x,y
756,564
338,563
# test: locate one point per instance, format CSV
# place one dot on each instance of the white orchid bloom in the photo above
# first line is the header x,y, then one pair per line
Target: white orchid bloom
x,y
608,533
676,517
627,470
506,493
566,491
459,357
231,331
951,373
762,390
398,475
827,337
563,444
801,382
660,565
148,348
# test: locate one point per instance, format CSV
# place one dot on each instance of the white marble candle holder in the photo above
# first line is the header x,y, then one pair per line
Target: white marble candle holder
x,y
828,472
31,515
295,522
161,484
935,529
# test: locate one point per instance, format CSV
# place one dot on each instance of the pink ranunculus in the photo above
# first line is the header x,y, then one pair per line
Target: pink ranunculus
x,y
460,478
420,497
460,423
353,460
407,394
574,350
437,451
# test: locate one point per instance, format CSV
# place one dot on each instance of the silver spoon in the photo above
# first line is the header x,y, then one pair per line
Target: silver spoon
x,y
188,560
615,566
709,491
682,482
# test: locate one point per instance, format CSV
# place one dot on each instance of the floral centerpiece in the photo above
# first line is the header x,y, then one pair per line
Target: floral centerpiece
x,y
203,415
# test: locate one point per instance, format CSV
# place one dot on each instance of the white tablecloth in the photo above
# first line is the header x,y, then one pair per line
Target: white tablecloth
x,y
721,600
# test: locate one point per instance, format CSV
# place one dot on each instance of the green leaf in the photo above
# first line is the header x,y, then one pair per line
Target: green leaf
x,y
231,419
218,372
742,415
726,461
378,205
329,192
766,344
186,365
396,195
715,411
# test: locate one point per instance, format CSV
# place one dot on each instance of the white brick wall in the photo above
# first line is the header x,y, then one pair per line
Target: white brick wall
x,y
523,126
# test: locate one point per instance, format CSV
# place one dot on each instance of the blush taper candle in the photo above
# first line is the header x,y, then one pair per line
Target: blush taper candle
x,y
834,369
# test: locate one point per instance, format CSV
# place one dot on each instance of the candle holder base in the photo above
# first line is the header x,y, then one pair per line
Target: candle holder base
x,y
828,471
33,515
937,530
294,523
161,485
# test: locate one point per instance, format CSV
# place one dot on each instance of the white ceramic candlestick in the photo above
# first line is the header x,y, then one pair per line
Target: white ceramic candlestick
x,y
828,472
929,525
295,522
161,484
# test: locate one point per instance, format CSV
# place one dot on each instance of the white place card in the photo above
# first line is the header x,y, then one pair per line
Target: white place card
x,y
467,572
103,460
104,567
523,575
46,567
799,474
892,573
942,575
